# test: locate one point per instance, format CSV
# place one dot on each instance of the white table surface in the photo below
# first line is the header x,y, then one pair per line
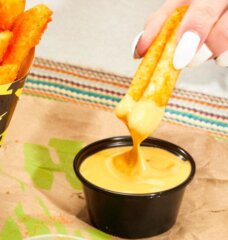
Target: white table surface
x,y
99,34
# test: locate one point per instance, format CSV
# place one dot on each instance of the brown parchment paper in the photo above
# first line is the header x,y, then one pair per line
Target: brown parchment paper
x,y
204,211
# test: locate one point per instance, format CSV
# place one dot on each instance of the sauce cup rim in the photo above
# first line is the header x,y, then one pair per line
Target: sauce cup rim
x,y
119,141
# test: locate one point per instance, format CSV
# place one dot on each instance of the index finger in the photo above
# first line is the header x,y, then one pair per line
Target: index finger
x,y
155,22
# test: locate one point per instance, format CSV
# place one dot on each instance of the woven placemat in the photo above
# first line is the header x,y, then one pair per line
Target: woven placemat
x,y
99,89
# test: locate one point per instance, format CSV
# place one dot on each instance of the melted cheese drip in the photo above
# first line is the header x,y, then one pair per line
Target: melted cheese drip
x,y
142,118
136,169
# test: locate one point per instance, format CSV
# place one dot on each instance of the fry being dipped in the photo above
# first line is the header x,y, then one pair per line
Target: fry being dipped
x,y
147,182
142,107
156,76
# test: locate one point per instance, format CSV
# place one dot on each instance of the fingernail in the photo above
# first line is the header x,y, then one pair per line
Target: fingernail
x,y
222,60
134,45
201,56
186,49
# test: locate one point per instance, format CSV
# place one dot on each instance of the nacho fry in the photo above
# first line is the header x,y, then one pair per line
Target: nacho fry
x,y
149,63
9,12
155,77
5,38
8,73
164,77
27,32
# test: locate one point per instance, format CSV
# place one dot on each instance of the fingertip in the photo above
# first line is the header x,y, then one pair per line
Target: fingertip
x,y
140,45
203,55
140,49
144,43
152,28
186,49
222,59
135,43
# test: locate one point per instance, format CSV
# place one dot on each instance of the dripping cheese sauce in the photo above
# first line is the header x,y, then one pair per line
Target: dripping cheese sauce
x,y
136,169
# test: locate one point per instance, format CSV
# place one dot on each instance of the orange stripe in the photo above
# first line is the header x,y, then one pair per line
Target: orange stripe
x,y
111,109
200,102
125,87
96,89
61,65
197,112
200,129
80,76
198,94
52,95
180,91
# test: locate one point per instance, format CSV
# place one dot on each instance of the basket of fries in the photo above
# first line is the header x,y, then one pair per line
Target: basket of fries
x,y
20,32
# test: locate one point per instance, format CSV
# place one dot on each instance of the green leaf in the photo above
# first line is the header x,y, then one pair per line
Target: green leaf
x,y
41,168
67,150
33,226
39,165
10,230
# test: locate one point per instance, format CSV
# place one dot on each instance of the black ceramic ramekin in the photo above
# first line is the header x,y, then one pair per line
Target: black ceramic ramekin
x,y
132,215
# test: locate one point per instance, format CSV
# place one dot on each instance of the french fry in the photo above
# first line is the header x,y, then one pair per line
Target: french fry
x,y
149,63
164,77
9,11
5,38
151,58
8,73
155,77
27,32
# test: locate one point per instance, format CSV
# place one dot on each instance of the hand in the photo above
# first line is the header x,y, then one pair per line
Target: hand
x,y
203,32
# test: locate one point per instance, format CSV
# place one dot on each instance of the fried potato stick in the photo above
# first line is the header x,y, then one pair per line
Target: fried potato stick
x,y
5,38
155,75
27,33
149,63
9,11
8,73
164,77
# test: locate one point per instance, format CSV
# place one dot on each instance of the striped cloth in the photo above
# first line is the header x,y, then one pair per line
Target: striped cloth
x,y
103,90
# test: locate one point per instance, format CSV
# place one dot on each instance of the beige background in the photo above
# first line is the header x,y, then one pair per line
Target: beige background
x,y
99,33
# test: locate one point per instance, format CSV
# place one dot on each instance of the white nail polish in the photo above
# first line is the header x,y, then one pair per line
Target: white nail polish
x,y
186,49
222,59
134,45
203,54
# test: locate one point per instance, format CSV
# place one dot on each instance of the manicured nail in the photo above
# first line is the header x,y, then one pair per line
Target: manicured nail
x,y
203,54
186,49
222,59
134,45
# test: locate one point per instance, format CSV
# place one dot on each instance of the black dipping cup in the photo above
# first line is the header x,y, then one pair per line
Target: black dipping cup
x,y
132,215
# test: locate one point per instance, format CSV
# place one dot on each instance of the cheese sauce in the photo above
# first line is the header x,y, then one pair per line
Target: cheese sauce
x,y
110,170
136,169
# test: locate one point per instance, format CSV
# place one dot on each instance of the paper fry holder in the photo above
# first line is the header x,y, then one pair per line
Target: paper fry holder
x,y
9,95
